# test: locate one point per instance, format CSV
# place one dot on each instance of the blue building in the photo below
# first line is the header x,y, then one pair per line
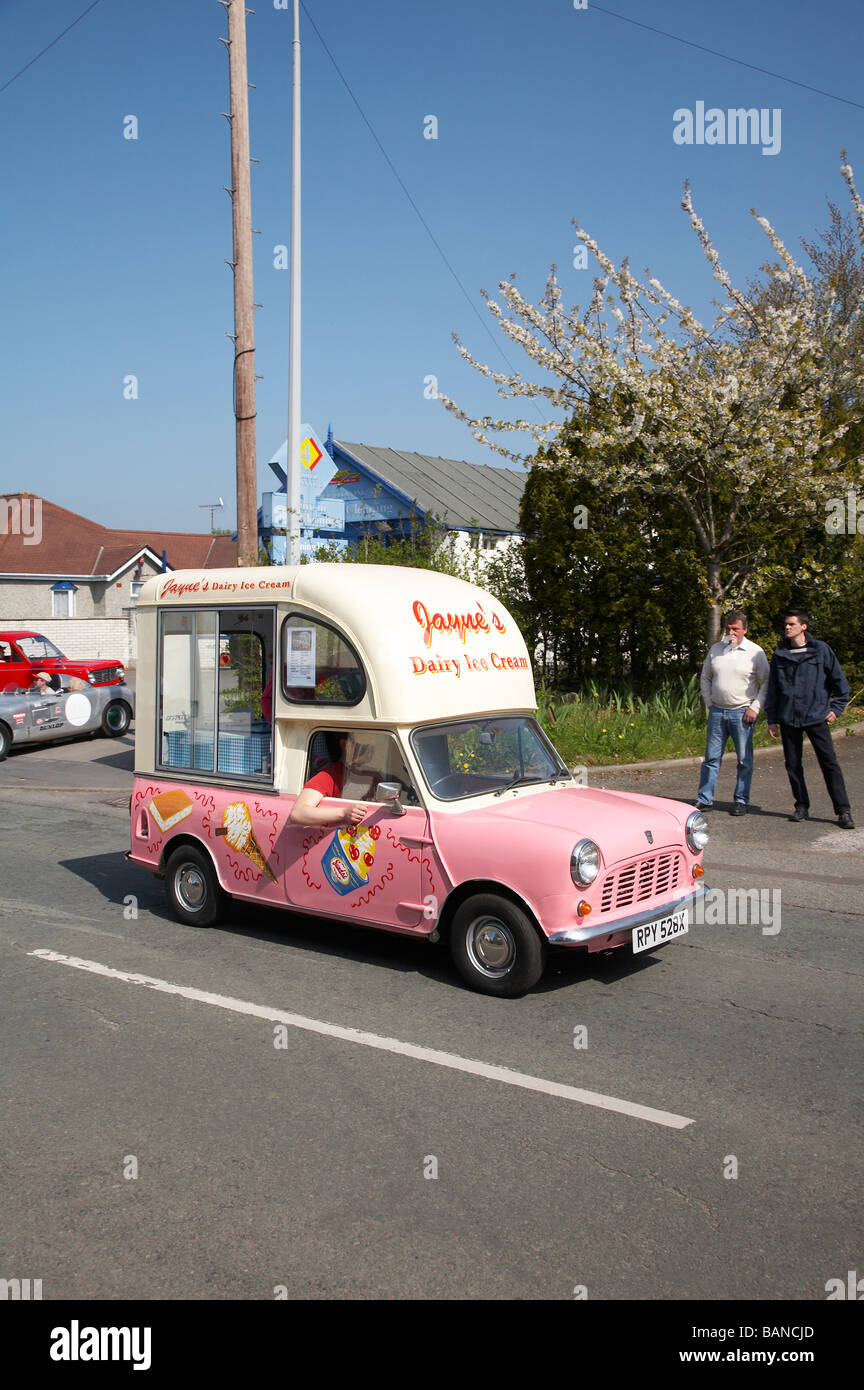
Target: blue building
x,y
353,490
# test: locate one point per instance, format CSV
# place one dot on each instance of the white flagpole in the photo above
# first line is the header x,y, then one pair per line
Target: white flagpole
x,y
292,463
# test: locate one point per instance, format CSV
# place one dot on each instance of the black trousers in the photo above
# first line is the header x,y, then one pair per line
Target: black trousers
x,y
823,746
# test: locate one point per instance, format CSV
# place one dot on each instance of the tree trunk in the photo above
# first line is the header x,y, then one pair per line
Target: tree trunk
x,y
715,588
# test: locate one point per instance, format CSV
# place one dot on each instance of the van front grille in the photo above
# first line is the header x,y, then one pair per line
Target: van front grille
x,y
637,883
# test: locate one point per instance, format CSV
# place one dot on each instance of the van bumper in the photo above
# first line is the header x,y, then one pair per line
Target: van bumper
x,y
583,936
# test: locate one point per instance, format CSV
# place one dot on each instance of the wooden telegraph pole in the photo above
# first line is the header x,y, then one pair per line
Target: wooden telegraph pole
x,y
244,304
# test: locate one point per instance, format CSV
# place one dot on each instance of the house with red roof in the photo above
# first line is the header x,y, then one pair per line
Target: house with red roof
x,y
77,581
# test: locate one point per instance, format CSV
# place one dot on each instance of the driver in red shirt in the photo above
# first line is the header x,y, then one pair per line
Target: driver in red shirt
x,y
307,809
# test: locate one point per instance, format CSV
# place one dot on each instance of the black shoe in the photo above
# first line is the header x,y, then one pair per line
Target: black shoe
x,y
801,813
739,809
845,821
701,806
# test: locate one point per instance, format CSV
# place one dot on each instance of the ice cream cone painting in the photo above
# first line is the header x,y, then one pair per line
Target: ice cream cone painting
x,y
237,829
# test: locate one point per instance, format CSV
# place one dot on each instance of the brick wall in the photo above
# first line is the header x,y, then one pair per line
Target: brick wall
x,y
111,638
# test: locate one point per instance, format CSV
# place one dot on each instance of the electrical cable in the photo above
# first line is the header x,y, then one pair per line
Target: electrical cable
x,y
401,183
727,57
44,50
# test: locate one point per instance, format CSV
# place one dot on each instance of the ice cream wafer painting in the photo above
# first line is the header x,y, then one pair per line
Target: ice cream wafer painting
x,y
237,828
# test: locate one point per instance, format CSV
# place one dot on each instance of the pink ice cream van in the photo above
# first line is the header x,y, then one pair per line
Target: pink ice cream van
x,y
409,693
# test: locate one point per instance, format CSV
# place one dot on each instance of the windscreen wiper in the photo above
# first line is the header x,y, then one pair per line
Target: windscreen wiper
x,y
516,782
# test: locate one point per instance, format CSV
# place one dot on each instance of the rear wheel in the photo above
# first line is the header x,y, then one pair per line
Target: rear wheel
x,y
116,719
495,946
5,741
194,895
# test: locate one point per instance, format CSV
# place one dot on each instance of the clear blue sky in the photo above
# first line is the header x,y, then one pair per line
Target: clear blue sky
x,y
113,250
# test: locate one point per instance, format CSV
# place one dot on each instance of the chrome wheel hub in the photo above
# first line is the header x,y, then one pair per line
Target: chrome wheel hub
x,y
191,888
491,946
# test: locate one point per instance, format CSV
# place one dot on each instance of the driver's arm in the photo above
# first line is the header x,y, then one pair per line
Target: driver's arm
x,y
308,810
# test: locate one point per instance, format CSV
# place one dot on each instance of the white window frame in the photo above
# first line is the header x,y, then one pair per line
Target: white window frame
x,y
69,596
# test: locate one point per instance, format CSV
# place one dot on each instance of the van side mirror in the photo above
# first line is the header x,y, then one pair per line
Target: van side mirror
x,y
389,793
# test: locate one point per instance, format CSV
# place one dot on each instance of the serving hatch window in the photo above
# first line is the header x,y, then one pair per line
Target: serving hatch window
x,y
319,667
215,706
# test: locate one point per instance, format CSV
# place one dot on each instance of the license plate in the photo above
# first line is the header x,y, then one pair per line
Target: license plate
x,y
664,929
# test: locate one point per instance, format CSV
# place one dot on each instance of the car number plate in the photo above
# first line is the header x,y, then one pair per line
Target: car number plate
x,y
664,929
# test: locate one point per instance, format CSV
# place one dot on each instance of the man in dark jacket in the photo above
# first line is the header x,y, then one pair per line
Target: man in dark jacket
x,y
807,690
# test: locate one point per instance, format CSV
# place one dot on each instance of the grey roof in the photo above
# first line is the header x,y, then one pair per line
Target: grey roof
x,y
467,496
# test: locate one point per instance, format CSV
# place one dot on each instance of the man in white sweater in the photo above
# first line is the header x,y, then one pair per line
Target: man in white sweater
x,y
734,681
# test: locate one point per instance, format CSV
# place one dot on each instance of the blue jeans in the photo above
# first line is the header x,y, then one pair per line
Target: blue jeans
x,y
724,724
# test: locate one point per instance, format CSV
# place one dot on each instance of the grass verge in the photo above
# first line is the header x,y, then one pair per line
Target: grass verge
x,y
597,726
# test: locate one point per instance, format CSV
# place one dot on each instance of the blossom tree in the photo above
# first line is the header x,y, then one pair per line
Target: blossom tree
x,y
727,420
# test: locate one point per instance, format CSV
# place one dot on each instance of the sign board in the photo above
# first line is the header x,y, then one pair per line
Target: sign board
x,y
316,467
317,470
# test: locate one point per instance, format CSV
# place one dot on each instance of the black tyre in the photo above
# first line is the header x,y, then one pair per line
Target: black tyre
x,y
495,947
194,895
5,741
116,719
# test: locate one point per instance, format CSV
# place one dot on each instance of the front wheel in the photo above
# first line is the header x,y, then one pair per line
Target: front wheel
x,y
194,895
5,741
495,947
116,719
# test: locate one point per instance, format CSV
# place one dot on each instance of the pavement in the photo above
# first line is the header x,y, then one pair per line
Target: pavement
x,y
814,862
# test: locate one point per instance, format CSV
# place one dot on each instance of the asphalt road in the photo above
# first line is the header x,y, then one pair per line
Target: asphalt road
x,y
159,1145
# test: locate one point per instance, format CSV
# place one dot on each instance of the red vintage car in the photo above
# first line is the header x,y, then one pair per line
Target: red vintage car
x,y
23,654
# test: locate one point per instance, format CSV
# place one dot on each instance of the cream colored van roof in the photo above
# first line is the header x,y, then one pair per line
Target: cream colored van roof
x,y
433,647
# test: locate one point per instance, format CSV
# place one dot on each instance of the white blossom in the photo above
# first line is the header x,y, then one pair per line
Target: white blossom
x,y
732,408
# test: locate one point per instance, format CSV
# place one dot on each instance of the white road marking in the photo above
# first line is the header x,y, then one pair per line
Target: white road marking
x,y
355,1035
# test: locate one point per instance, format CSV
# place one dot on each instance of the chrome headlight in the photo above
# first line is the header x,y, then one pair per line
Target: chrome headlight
x,y
584,862
696,831
91,677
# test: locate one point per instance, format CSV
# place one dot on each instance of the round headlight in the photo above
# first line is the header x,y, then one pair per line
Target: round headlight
x,y
696,831
584,862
